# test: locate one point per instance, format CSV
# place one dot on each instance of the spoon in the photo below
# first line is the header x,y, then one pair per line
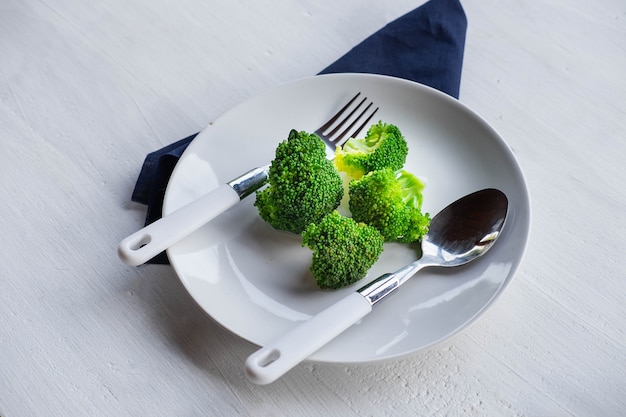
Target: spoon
x,y
458,234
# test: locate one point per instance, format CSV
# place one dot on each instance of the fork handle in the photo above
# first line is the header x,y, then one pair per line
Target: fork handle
x,y
153,239
272,361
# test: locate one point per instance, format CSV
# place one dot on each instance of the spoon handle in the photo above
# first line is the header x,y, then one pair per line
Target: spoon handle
x,y
274,360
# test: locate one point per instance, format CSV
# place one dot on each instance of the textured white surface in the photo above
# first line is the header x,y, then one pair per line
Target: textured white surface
x,y
88,88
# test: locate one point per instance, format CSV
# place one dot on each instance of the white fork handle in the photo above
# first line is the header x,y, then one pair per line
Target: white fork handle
x,y
153,239
272,361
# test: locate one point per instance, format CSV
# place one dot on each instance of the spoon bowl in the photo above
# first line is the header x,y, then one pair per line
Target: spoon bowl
x,y
465,229
458,234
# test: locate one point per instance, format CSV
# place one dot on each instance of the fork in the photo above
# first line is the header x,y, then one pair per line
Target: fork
x,y
146,243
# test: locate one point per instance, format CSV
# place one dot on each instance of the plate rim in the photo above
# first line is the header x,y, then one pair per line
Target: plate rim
x,y
429,90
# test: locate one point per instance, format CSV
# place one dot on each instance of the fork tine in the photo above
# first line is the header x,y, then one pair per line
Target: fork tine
x,y
336,129
331,138
333,119
345,135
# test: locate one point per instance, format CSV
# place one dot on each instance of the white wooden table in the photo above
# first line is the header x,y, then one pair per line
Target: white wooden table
x,y
88,88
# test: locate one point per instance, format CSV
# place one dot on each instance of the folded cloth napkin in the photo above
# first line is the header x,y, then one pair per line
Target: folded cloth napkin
x,y
425,45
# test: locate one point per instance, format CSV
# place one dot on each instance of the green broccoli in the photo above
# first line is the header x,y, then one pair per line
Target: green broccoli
x,y
390,201
383,146
304,186
343,250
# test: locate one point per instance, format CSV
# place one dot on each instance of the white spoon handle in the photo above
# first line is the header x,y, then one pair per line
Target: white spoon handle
x,y
274,360
148,242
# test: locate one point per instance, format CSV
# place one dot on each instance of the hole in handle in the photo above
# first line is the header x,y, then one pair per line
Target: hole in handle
x,y
140,243
269,358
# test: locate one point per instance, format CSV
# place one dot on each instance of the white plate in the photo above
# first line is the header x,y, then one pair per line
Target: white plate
x,y
255,281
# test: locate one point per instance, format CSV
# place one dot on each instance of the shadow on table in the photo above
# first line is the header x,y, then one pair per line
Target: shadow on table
x,y
185,325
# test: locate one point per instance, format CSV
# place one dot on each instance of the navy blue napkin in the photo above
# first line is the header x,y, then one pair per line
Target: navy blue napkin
x,y
425,45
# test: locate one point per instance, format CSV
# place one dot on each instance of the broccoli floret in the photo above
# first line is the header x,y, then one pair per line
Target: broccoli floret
x,y
383,146
304,186
390,201
343,250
